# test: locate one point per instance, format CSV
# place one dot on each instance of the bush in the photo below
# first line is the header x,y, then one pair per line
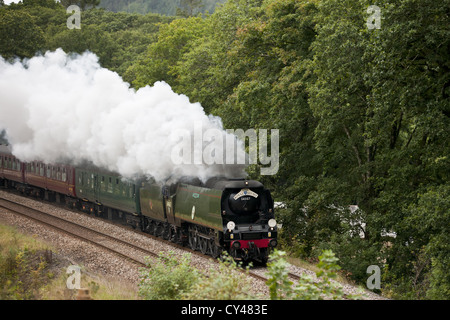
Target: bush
x,y
167,278
226,283
22,273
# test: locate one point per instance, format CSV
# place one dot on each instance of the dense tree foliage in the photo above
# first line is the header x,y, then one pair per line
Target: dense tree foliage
x,y
166,7
39,25
363,112
83,4
19,34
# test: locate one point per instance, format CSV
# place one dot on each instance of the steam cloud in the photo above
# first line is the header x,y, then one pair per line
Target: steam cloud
x,y
67,108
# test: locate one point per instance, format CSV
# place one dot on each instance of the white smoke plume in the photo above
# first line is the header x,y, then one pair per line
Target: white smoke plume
x,y
59,108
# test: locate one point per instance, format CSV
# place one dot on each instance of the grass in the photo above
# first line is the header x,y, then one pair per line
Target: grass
x,y
30,271
11,239
100,288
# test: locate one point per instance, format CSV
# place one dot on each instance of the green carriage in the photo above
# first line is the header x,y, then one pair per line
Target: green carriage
x,y
106,193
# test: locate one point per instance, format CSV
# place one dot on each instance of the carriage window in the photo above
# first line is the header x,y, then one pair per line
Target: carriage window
x,y
117,187
110,186
49,171
64,175
124,189
41,170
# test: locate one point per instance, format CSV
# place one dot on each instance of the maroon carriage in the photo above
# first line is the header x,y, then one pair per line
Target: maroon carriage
x,y
11,169
50,181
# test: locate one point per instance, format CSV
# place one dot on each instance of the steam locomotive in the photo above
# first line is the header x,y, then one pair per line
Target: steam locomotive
x,y
232,215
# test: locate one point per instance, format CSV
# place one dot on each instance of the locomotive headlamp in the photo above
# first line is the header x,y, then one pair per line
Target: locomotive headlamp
x,y
272,223
231,225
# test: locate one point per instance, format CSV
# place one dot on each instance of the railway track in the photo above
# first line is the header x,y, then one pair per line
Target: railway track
x,y
107,242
